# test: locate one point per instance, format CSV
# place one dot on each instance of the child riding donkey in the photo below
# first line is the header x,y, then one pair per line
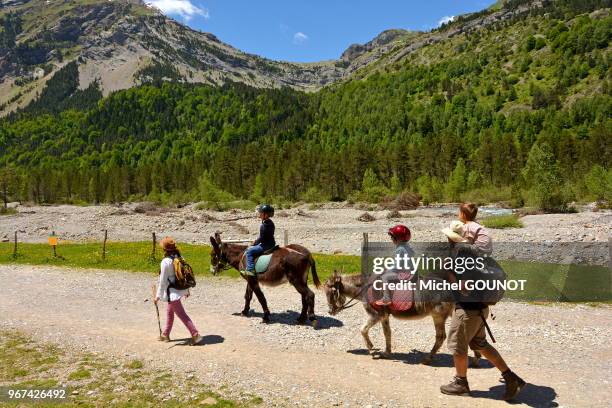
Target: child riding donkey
x,y
264,243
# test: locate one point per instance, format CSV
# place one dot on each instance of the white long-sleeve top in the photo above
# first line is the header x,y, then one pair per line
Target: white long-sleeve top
x,y
166,277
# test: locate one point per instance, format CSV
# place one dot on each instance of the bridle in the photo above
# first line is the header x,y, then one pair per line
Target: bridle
x,y
337,295
222,263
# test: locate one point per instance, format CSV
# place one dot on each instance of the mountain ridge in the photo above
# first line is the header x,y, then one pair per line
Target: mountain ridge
x,y
123,43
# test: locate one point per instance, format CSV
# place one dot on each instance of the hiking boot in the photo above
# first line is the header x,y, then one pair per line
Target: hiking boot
x,y
195,340
459,386
514,385
163,338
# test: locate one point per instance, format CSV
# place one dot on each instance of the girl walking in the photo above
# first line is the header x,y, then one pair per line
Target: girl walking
x,y
167,293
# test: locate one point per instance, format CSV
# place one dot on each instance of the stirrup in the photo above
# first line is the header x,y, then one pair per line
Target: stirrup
x,y
246,272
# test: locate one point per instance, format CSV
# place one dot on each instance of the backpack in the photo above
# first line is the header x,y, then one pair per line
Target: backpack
x,y
184,276
491,273
494,272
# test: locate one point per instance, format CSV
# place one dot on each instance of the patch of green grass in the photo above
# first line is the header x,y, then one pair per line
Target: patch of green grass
x,y
502,222
19,358
7,211
80,374
134,365
104,386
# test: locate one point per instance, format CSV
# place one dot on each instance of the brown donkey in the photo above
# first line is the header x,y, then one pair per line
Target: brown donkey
x,y
289,263
338,287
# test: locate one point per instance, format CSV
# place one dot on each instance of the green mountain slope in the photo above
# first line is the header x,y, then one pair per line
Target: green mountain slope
x,y
518,110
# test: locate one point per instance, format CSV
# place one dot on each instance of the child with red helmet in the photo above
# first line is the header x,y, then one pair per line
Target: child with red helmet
x,y
400,235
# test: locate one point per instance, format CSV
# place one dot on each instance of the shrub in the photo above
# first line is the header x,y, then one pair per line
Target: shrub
x,y
366,217
372,190
211,192
145,207
456,182
430,189
406,200
7,211
545,186
314,195
598,182
393,215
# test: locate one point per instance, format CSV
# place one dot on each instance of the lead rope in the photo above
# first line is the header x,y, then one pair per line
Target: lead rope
x,y
348,305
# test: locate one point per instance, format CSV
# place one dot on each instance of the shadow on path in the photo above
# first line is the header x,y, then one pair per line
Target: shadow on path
x,y
206,340
415,357
290,317
532,395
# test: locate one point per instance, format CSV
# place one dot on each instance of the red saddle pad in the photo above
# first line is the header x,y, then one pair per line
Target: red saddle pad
x,y
401,300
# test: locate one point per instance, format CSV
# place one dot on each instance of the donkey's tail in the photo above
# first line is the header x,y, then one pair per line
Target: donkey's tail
x,y
313,269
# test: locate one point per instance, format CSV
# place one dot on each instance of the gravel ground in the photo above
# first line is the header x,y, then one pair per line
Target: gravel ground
x,y
333,229
562,351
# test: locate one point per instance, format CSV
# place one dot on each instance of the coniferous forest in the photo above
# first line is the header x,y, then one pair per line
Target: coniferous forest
x,y
519,112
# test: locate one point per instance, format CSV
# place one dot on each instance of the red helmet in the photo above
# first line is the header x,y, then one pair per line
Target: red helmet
x,y
400,232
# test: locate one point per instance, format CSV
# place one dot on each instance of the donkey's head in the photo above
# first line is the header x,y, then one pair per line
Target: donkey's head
x,y
334,291
218,258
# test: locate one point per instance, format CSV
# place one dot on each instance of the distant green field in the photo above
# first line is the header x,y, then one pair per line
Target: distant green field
x,y
545,282
136,257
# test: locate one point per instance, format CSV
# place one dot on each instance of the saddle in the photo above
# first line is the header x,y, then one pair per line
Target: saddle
x,y
401,300
263,261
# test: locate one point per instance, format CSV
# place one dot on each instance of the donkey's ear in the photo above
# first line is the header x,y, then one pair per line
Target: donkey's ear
x,y
214,244
218,237
337,277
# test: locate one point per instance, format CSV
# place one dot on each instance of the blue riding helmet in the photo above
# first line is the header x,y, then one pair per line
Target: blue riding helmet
x,y
266,209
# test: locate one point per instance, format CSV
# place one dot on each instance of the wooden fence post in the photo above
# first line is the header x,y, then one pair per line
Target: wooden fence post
x,y
153,250
54,250
15,246
285,237
364,254
104,245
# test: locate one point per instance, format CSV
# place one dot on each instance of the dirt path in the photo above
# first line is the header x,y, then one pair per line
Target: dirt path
x,y
562,351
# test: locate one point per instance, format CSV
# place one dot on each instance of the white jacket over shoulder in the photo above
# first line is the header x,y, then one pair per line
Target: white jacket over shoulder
x,y
166,277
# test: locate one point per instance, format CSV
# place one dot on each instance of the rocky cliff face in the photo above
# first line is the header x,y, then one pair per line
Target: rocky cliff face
x,y
121,43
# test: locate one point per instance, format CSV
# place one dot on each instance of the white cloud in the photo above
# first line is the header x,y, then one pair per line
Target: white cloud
x,y
445,20
299,37
183,8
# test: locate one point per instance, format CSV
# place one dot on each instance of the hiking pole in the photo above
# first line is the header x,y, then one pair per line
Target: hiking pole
x,y
486,325
154,291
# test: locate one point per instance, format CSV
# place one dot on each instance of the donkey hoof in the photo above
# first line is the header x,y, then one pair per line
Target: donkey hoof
x,y
314,323
384,355
474,362
426,360
266,318
245,313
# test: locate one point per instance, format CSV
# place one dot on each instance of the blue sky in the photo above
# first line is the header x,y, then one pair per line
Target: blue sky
x,y
309,30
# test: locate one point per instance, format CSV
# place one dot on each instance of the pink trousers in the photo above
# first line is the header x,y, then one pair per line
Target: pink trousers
x,y
177,308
